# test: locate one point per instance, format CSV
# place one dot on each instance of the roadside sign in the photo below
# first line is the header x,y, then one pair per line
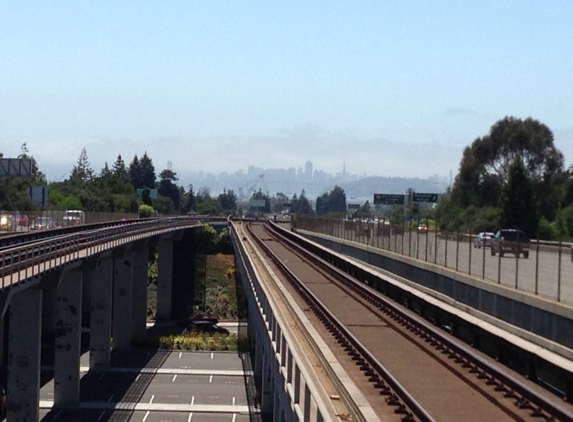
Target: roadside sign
x,y
353,206
15,167
39,195
425,197
388,199
257,203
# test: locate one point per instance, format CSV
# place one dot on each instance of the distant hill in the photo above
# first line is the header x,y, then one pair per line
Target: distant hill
x,y
367,187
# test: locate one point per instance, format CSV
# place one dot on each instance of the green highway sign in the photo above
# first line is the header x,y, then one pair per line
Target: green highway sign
x,y
388,199
425,197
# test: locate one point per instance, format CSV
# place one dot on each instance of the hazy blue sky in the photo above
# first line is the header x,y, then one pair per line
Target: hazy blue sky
x,y
392,88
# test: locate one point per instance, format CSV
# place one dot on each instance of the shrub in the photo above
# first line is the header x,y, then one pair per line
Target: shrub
x,y
146,211
194,342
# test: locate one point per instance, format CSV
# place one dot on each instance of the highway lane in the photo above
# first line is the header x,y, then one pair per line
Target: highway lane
x,y
547,274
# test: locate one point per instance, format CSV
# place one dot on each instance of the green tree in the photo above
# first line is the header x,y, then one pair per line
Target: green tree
x,y
334,201
301,204
119,170
105,173
168,189
135,173
519,209
83,170
228,201
147,171
484,168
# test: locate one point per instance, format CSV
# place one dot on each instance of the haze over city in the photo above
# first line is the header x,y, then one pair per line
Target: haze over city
x,y
382,88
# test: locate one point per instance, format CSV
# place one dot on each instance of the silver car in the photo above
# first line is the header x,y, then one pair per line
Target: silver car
x,y
483,239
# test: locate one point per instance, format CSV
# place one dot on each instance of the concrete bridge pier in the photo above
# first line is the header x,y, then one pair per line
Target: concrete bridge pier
x,y
24,355
100,314
140,260
68,339
164,278
122,315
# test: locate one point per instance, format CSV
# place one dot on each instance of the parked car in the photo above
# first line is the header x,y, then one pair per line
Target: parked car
x,y
22,219
42,223
206,327
483,239
423,228
73,218
511,241
7,223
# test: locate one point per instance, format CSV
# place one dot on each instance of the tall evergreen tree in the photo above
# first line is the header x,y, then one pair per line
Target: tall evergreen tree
x,y
135,173
519,207
83,170
147,172
119,170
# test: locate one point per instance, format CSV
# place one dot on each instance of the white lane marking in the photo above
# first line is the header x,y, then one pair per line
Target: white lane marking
x,y
233,400
101,415
180,354
137,377
174,378
234,417
190,416
192,400
151,400
145,417
101,376
210,379
109,400
212,355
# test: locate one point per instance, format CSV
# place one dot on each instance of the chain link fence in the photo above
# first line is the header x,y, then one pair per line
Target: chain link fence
x,y
546,272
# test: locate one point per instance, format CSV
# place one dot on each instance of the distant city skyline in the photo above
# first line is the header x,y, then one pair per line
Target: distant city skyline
x,y
370,88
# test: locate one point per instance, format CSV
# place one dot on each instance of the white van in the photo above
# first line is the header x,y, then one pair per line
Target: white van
x,y
73,218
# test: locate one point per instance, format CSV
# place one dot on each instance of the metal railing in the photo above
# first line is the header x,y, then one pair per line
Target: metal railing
x,y
33,257
22,221
546,271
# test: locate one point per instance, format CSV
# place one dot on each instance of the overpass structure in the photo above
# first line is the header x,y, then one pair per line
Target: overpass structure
x,y
49,280
46,283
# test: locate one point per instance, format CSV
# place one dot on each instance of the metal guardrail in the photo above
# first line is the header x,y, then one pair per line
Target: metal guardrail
x,y
31,256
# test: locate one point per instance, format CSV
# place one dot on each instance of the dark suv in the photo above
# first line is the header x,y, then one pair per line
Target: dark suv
x,y
510,241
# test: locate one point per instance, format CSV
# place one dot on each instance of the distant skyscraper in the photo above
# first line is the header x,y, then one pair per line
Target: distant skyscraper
x,y
308,170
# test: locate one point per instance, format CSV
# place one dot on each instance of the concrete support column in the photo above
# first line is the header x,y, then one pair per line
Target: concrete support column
x,y
100,315
68,325
49,291
164,278
2,343
259,340
267,381
24,355
122,328
139,258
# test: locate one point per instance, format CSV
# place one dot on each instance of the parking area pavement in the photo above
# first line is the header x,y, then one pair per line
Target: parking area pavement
x,y
161,386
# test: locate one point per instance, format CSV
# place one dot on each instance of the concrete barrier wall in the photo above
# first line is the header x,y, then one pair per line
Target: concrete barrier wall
x,y
287,388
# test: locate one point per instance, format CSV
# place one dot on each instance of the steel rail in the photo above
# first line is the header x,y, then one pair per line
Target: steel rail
x,y
376,372
525,396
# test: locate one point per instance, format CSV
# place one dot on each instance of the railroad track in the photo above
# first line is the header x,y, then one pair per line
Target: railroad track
x,y
401,361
